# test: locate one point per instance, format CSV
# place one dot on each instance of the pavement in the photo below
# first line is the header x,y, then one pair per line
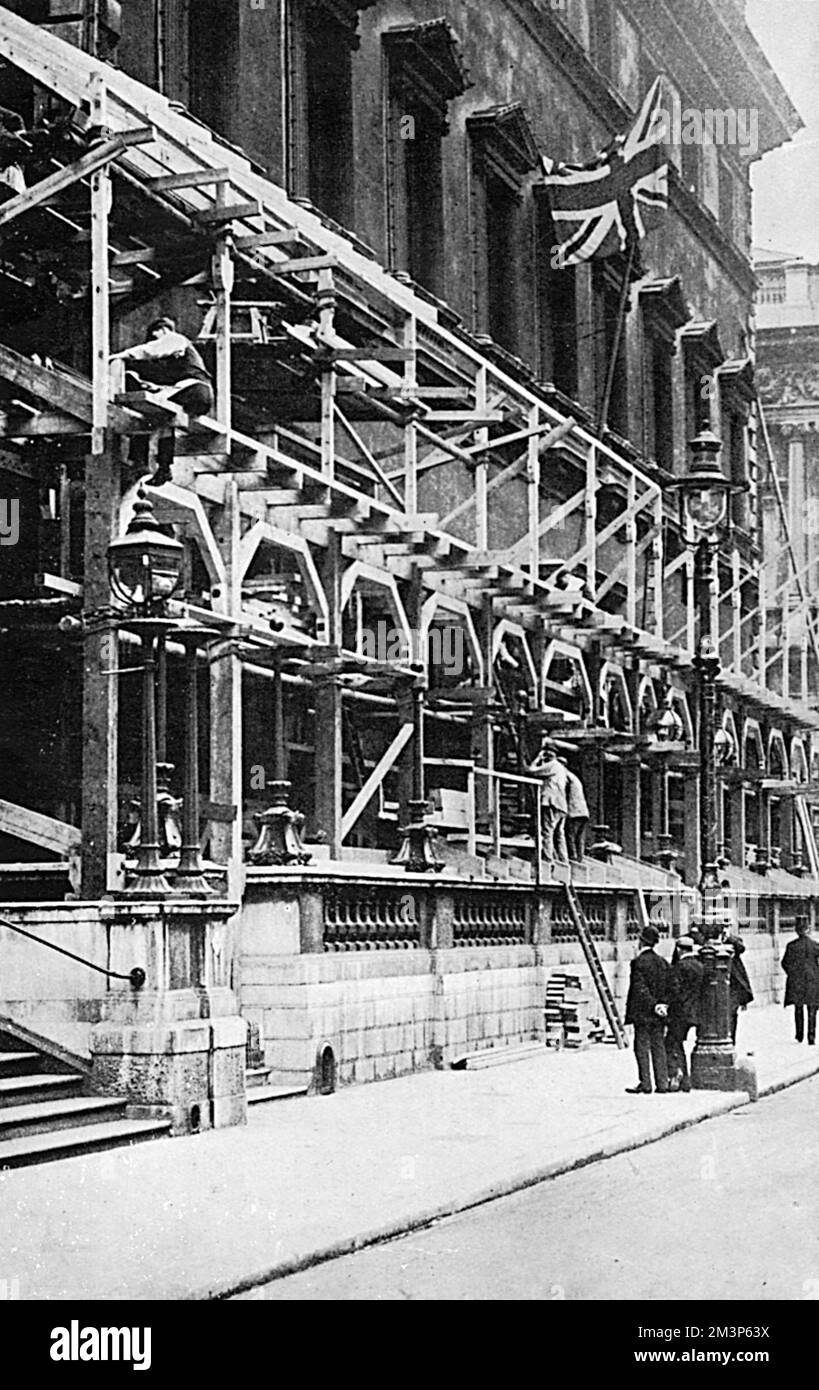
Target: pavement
x,y
312,1178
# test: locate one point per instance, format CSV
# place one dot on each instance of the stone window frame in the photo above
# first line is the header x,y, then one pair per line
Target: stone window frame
x,y
503,153
424,73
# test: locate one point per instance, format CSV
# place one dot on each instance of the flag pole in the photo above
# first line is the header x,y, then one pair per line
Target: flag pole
x,y
618,335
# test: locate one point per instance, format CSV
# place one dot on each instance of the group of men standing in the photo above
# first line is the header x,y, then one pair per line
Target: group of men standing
x,y
663,1005
564,810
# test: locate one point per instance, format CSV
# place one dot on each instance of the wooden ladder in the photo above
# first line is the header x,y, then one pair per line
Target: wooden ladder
x,y
598,974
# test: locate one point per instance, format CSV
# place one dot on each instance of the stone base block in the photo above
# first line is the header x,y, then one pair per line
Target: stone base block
x,y
192,1070
715,1071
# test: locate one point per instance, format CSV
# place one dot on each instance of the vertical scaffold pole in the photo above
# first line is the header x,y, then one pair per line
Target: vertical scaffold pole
x,y
101,522
481,465
658,552
533,494
222,273
591,523
631,555
326,302
410,430
736,608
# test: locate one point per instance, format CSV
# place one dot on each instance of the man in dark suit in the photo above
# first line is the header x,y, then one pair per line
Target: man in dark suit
x,y
801,965
683,1011
649,995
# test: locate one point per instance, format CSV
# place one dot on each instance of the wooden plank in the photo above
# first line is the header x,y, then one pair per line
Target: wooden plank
x,y
191,178
296,263
66,177
257,242
99,691
229,212
142,255
42,426
64,393
100,287
374,355
36,829
354,812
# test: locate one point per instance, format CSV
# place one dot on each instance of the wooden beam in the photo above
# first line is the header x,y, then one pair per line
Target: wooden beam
x,y
68,394
42,425
229,212
100,690
282,237
37,829
191,178
141,255
289,267
376,777
82,168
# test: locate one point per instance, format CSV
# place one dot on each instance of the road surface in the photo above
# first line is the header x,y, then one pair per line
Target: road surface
x,y
728,1209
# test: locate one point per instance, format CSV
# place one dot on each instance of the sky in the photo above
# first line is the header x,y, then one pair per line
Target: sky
x,y
786,182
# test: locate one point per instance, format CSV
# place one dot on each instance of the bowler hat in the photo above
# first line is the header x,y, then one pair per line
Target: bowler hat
x,y
649,936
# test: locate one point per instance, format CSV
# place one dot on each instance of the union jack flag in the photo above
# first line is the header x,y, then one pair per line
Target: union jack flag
x,y
599,208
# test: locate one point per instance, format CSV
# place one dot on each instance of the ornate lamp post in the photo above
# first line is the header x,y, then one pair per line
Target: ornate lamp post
x,y
417,852
667,729
145,568
705,492
279,826
189,876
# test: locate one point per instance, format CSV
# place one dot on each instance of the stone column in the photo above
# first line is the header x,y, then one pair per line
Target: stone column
x,y
177,1045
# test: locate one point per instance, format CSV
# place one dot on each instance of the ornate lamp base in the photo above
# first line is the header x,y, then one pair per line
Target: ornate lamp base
x,y
417,852
603,847
665,855
280,828
713,1061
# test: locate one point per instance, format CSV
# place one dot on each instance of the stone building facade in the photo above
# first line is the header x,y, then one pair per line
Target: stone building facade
x,y
343,206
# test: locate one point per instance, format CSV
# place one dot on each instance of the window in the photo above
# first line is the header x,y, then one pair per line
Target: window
x,y
727,201
690,165
602,36
627,59
213,31
424,75
736,383
703,354
710,176
557,306
330,121
504,153
320,106
607,281
664,312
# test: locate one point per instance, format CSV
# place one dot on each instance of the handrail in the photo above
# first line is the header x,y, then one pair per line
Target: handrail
x,y
136,976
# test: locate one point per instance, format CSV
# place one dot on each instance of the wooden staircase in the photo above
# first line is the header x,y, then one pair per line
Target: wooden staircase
x,y
46,1110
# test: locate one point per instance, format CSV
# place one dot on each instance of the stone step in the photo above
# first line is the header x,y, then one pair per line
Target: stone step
x,y
255,1077
47,1116
496,1057
17,1063
257,1094
67,1143
37,1086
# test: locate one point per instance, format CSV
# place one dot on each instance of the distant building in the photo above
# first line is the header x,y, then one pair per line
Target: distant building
x,y
788,380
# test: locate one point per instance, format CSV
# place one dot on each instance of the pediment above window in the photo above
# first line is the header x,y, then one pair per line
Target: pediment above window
x,y
503,137
702,346
428,64
665,308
